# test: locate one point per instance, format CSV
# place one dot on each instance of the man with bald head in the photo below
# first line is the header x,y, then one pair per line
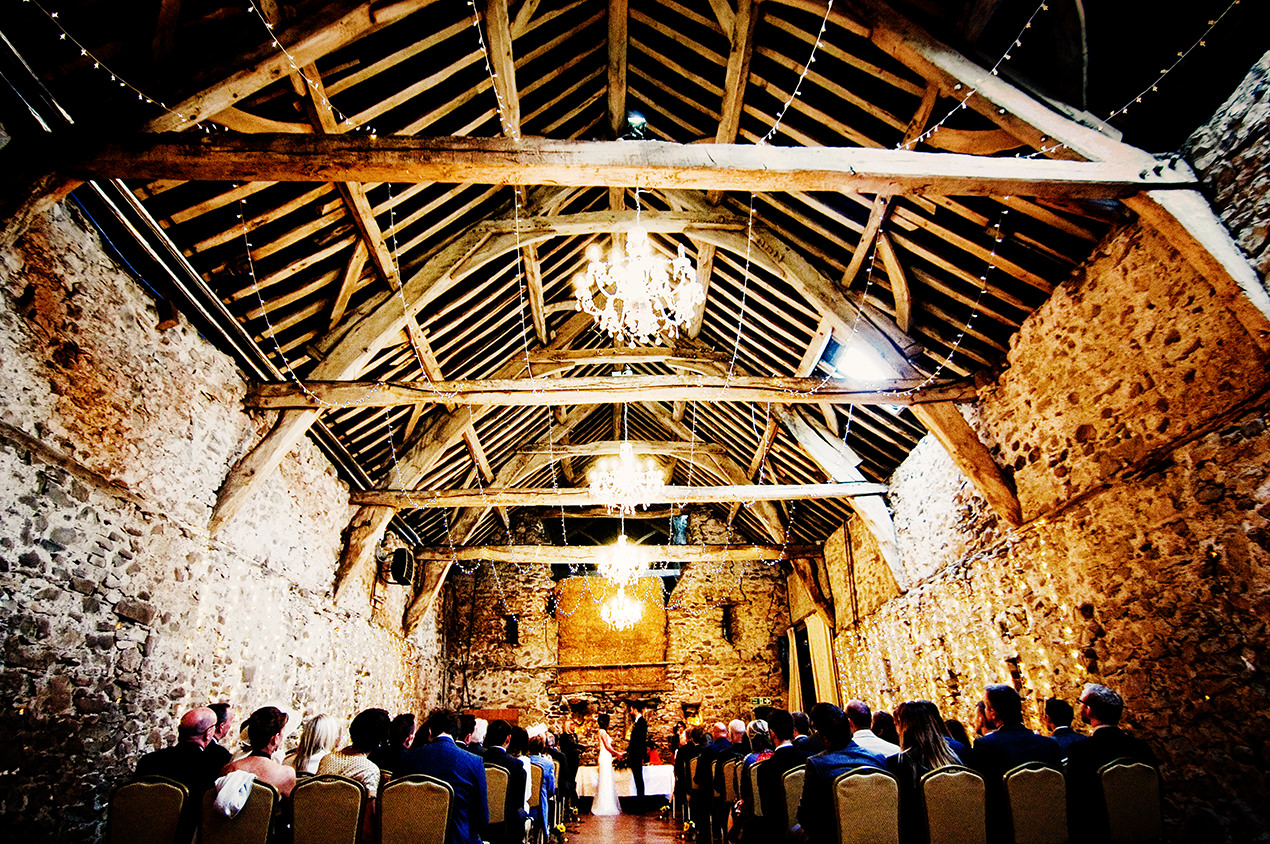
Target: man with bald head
x,y
189,763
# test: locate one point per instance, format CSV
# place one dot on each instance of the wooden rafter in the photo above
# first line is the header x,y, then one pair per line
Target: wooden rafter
x,y
588,554
521,392
503,66
404,499
673,448
618,20
645,164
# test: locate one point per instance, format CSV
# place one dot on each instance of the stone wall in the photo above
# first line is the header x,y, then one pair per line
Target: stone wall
x,y
117,611
1134,420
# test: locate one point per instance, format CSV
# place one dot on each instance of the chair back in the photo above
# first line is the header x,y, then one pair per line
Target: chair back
x,y
250,826
1037,796
1131,790
327,809
557,805
692,773
147,811
718,780
755,798
417,809
729,779
793,782
496,792
535,786
955,813
866,803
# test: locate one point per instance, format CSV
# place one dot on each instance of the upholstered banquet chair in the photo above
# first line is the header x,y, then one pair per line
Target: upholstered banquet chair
x,y
1037,796
793,782
755,797
147,811
327,809
496,792
535,801
955,810
416,809
250,826
866,803
1131,790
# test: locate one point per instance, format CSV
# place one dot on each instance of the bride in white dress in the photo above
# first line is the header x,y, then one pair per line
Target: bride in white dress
x,y
606,789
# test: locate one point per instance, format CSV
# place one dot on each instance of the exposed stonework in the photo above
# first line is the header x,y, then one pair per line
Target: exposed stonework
x,y
117,611
1232,155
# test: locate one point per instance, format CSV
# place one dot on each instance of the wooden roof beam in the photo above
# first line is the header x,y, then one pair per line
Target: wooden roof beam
x,y
602,389
618,22
425,499
332,27
741,35
644,164
1183,217
587,554
673,448
498,33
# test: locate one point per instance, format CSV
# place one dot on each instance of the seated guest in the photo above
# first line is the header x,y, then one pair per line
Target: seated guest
x,y
1009,745
401,732
264,736
1101,708
816,814
512,829
761,747
188,763
443,759
982,727
519,750
883,727
224,721
803,739
1057,718
689,750
957,732
538,756
463,739
860,717
367,732
771,788
925,748
320,735
760,737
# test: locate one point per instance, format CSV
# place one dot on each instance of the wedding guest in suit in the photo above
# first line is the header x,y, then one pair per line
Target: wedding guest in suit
x,y
224,721
1101,708
188,763
637,750
1057,718
860,717
401,731
1009,745
816,815
445,760
785,758
802,734
512,830
925,748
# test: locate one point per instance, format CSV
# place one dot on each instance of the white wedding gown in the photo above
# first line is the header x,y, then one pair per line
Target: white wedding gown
x,y
605,789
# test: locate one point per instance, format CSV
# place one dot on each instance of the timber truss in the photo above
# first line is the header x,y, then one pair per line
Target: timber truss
x,y
395,227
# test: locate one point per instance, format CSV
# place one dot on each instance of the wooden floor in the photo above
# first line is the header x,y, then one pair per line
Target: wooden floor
x,y
649,828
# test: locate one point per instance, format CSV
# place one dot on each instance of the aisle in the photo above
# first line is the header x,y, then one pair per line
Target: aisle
x,y
647,828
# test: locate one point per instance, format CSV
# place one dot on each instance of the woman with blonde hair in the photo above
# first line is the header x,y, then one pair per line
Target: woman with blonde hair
x,y
321,735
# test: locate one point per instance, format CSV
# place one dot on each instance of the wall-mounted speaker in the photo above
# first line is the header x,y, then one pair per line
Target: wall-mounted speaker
x,y
401,568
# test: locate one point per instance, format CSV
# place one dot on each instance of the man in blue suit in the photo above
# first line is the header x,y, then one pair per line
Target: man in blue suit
x,y
464,771
816,813
512,830
1009,745
1101,708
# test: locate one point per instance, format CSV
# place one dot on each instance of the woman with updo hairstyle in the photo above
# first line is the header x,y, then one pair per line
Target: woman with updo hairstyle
x,y
924,747
367,732
264,737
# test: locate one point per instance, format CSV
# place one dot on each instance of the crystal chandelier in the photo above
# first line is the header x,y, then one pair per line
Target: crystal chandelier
x,y
622,612
624,482
621,564
642,296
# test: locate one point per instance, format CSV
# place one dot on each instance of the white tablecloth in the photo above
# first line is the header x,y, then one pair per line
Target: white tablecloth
x,y
658,779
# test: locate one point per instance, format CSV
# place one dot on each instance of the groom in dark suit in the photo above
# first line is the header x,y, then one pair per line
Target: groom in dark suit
x,y
637,750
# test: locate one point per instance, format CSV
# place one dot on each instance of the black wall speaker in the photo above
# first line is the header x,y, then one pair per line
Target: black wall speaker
x,y
401,570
